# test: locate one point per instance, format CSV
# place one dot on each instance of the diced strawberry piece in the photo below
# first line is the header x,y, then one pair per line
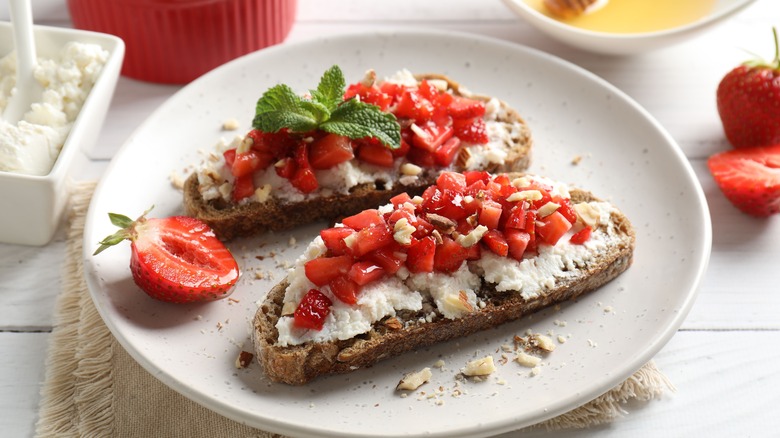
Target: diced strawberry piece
x,y
449,256
364,219
365,272
412,105
530,228
517,217
392,89
329,151
312,310
421,157
427,90
471,130
376,154
464,226
451,181
490,214
345,289
552,227
447,203
322,270
286,167
279,144
423,227
474,252
581,236
401,151
443,101
541,202
304,180
566,209
431,136
399,214
371,239
400,199
334,239
230,157
518,242
473,176
243,187
465,108
420,255
496,242
390,258
502,180
372,95
247,162
749,178
445,153
475,188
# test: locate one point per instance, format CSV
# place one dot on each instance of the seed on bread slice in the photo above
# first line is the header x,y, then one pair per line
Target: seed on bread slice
x,y
229,219
297,363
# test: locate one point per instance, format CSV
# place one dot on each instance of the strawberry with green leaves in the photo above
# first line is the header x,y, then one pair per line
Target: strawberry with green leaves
x,y
748,100
176,259
750,178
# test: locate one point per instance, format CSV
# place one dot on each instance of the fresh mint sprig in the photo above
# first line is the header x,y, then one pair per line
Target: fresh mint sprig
x,y
280,107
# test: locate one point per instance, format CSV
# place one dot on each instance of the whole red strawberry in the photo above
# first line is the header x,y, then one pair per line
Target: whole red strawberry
x,y
175,259
750,178
749,102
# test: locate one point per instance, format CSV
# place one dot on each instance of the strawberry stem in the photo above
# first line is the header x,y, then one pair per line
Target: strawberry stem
x,y
776,63
126,230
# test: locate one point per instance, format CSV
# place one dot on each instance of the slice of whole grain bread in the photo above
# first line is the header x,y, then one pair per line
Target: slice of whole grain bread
x,y
298,364
231,220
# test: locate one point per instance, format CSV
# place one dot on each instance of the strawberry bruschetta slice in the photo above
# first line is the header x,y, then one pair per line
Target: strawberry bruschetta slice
x,y
342,148
473,251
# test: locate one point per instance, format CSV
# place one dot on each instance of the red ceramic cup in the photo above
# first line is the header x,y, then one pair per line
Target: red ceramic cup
x,y
175,41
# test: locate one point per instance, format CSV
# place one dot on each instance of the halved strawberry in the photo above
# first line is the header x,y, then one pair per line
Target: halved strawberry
x,y
176,259
750,178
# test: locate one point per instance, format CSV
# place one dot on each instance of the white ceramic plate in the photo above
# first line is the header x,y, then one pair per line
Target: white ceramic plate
x,y
625,156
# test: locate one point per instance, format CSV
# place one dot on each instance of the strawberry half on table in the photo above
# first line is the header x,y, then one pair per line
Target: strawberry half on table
x,y
750,178
176,259
748,99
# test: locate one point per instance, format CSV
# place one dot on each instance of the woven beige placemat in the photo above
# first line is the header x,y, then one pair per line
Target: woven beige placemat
x,y
93,388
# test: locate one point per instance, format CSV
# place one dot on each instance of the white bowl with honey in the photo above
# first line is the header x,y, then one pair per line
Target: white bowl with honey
x,y
624,27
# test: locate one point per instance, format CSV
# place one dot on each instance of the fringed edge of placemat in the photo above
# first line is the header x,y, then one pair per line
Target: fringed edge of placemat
x,y
646,384
79,386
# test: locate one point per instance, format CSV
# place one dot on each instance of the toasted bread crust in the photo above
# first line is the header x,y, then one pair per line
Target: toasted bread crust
x,y
297,365
231,220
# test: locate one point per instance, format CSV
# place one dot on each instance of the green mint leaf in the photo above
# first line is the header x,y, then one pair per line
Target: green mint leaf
x,y
330,90
356,119
280,107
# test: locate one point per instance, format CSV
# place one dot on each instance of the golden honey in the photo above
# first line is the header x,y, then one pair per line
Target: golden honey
x,y
636,16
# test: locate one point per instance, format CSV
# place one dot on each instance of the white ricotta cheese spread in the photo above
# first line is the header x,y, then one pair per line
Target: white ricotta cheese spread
x,y
32,145
453,294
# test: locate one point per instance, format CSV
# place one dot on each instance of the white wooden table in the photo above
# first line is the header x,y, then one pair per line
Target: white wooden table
x,y
725,359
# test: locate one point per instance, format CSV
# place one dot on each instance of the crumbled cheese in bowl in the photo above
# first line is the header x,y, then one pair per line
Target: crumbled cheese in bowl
x,y
33,145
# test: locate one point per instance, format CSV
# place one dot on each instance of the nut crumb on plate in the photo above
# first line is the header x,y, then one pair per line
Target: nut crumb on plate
x,y
412,381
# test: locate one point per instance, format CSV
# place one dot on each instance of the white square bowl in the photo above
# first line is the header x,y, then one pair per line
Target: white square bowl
x,y
33,205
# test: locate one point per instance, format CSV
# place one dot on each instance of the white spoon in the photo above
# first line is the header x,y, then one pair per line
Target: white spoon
x,y
28,90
